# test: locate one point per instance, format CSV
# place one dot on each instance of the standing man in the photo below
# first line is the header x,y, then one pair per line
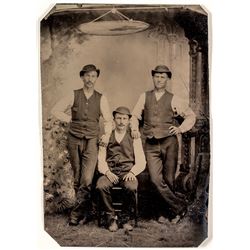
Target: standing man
x,y
160,108
87,105
120,162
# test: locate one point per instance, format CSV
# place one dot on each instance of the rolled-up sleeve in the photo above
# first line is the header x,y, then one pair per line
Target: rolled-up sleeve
x,y
137,112
107,118
182,108
102,165
140,161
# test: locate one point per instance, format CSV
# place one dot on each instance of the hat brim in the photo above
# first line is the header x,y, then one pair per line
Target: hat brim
x,y
169,73
114,112
82,72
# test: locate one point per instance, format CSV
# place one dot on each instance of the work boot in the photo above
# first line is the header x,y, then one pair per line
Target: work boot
x,y
162,220
113,227
73,222
127,226
179,217
84,220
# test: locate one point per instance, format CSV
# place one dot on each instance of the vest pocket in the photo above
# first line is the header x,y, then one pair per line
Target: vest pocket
x,y
74,109
74,112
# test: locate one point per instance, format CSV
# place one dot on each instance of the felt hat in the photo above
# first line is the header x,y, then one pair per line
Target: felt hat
x,y
162,69
122,110
88,68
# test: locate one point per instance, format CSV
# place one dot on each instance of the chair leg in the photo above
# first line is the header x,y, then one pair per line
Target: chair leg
x,y
136,209
99,219
99,210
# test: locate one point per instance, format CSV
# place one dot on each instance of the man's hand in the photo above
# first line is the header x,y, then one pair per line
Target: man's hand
x,y
174,130
129,177
135,134
104,140
112,177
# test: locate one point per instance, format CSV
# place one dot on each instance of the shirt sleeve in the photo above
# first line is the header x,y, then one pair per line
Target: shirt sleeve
x,y
61,108
107,118
140,161
182,108
137,112
102,165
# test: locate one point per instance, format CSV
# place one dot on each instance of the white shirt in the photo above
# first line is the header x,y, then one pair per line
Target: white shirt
x,y
119,136
178,105
140,161
62,110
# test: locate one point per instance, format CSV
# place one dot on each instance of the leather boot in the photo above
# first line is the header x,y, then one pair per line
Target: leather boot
x,y
112,222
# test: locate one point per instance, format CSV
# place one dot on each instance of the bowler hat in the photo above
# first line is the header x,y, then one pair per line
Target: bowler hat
x,y
88,68
122,110
162,69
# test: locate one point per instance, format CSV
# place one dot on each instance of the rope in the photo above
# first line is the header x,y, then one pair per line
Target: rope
x,y
122,15
100,16
114,11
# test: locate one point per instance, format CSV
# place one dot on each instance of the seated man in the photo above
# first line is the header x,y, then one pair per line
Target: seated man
x,y
120,163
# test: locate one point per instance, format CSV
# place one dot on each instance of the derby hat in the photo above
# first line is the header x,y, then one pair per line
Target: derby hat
x,y
162,69
123,111
88,68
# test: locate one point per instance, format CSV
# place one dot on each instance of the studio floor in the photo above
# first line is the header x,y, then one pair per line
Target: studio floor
x,y
148,233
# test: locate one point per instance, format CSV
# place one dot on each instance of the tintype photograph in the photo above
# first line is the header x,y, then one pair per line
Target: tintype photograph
x,y
125,125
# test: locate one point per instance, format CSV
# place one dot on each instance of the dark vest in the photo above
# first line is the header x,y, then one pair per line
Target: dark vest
x,y
120,156
158,115
85,115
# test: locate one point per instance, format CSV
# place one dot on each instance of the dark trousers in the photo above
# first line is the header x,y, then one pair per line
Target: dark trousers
x,y
162,156
83,159
104,186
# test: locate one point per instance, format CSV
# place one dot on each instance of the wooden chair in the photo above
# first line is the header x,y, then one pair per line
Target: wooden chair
x,y
118,196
